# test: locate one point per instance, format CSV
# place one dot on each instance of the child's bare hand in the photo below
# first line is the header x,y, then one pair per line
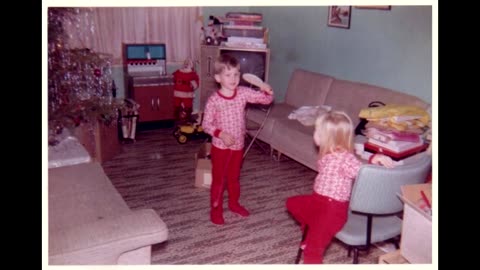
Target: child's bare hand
x,y
226,138
383,160
267,89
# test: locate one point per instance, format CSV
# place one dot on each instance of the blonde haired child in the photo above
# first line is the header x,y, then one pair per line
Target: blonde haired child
x,y
325,211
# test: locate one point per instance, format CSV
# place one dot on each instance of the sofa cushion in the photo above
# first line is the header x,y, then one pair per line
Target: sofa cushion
x,y
80,194
88,242
307,88
351,97
278,111
295,140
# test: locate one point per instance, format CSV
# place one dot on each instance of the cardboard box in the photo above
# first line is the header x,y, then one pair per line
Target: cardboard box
x,y
203,166
100,141
416,240
394,257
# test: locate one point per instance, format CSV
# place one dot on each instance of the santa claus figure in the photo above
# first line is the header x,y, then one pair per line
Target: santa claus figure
x,y
185,82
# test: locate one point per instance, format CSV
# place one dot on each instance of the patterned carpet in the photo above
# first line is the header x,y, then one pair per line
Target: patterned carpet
x,y
157,172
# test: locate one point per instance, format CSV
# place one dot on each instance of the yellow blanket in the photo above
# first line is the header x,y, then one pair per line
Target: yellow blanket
x,y
400,117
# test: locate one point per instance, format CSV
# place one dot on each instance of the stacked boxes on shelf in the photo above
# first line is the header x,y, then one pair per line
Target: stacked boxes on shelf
x,y
395,130
244,29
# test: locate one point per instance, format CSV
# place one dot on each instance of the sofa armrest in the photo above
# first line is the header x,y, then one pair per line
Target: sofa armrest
x,y
103,241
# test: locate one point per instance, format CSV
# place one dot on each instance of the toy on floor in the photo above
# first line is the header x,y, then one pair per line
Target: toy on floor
x,y
190,130
128,117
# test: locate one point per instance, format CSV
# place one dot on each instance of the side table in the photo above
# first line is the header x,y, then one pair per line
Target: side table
x,y
100,141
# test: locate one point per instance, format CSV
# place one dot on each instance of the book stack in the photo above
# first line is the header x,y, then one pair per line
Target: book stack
x,y
243,29
243,19
395,130
397,145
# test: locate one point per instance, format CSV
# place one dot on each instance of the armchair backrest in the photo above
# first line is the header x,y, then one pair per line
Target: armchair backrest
x,y
375,189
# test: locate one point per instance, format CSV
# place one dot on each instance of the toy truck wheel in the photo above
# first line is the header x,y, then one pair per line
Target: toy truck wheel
x,y
182,139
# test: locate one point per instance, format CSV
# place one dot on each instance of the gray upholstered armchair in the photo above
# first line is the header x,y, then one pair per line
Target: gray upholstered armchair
x,y
374,204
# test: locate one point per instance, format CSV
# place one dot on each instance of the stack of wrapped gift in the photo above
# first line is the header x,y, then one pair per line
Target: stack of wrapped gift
x,y
395,130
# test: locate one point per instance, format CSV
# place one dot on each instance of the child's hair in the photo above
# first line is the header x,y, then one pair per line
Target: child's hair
x,y
225,61
333,131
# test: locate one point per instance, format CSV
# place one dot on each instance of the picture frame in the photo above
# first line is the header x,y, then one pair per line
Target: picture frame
x,y
374,7
339,16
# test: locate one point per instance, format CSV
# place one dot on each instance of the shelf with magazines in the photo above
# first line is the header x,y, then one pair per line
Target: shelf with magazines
x,y
241,36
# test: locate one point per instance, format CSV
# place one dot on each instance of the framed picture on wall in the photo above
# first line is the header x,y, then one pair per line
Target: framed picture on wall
x,y
339,16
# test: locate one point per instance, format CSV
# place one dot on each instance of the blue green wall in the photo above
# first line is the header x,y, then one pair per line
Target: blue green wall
x,y
389,48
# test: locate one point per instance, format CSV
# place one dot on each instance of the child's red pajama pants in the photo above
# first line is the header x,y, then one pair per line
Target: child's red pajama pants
x,y
324,217
226,165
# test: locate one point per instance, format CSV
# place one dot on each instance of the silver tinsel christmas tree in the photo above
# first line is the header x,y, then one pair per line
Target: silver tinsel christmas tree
x,y
79,80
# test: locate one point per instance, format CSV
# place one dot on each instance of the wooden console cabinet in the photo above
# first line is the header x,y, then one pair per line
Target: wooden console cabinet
x,y
155,99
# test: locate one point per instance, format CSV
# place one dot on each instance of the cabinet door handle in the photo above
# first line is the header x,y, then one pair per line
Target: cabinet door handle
x,y
209,60
152,104
158,103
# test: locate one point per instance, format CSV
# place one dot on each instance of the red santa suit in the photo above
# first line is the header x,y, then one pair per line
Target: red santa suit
x,y
185,82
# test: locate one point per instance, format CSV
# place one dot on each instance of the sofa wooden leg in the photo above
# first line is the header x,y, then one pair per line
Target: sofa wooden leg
x,y
277,156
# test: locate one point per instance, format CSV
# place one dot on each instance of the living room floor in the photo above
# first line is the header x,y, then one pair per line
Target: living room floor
x,y
157,172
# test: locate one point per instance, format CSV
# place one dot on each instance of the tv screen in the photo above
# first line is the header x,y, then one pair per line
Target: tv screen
x,y
145,51
251,61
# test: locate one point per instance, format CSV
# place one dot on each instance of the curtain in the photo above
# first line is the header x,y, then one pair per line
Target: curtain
x,y
104,30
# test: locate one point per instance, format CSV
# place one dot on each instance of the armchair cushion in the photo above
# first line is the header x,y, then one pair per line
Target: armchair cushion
x,y
90,223
105,240
355,229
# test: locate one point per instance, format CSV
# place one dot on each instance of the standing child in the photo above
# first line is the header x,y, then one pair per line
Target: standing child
x,y
324,212
224,119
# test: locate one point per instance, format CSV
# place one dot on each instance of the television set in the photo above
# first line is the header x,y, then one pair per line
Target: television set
x,y
145,51
144,59
252,60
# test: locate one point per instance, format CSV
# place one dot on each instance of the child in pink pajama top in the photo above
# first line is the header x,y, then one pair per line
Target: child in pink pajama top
x,y
224,119
325,210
